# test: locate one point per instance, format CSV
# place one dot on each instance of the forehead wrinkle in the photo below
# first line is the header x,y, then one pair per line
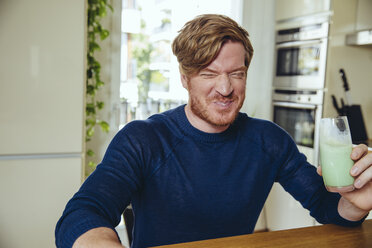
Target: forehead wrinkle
x,y
241,68
223,66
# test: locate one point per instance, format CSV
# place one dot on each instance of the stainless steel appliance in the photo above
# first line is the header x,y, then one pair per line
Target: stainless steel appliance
x,y
298,85
301,51
298,112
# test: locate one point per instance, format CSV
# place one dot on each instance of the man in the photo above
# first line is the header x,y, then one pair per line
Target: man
x,y
203,170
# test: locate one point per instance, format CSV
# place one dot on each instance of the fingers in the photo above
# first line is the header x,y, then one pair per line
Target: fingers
x,y
361,165
358,151
319,170
362,170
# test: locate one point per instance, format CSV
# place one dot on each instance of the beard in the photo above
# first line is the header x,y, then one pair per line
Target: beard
x,y
205,110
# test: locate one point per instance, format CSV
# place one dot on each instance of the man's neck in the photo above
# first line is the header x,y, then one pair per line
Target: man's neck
x,y
201,124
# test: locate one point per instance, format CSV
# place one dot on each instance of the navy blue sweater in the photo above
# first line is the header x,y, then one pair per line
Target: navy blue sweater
x,y
187,185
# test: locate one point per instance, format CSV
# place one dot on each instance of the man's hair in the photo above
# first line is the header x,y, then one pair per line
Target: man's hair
x,y
200,40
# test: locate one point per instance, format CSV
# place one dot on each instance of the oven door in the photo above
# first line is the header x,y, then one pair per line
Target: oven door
x,y
301,121
301,64
298,120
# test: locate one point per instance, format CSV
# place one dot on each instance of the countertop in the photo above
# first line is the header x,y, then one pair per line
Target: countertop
x,y
324,236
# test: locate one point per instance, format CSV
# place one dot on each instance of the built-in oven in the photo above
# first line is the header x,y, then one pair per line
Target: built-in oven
x,y
301,53
299,112
298,84
297,97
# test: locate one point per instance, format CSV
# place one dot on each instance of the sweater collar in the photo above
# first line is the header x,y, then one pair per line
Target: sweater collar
x,y
189,130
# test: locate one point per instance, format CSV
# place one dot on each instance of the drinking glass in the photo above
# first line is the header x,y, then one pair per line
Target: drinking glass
x,y
335,149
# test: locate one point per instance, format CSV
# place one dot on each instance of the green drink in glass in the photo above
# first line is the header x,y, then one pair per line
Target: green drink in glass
x,y
335,149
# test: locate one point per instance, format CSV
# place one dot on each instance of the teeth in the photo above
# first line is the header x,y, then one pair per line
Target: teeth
x,y
223,103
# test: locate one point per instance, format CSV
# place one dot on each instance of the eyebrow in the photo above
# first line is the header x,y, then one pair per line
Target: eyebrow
x,y
242,68
208,70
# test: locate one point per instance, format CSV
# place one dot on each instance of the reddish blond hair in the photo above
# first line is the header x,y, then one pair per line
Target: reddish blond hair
x,y
200,40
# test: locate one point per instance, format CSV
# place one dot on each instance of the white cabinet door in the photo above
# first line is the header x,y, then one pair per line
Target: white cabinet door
x,y
261,222
364,17
33,194
286,9
41,76
284,212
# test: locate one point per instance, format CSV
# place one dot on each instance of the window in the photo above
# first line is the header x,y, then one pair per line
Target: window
x,y
150,80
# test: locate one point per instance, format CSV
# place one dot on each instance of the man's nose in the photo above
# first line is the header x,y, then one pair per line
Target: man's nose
x,y
223,85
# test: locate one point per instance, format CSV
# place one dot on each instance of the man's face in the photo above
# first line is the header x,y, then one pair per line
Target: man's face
x,y
217,92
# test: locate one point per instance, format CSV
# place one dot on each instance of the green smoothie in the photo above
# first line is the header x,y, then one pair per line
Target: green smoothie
x,y
336,164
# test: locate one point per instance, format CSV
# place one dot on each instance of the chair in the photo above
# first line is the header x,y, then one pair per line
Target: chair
x,y
128,220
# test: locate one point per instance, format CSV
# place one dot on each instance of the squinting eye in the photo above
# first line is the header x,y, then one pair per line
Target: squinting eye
x,y
208,75
237,75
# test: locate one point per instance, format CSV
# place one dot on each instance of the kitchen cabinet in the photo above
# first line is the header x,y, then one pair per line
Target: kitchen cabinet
x,y
41,77
33,195
284,212
286,9
364,16
42,89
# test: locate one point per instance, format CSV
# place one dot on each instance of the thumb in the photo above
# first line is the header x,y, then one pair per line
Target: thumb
x,y
319,170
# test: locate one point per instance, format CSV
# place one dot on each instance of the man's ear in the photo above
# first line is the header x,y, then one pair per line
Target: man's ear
x,y
184,80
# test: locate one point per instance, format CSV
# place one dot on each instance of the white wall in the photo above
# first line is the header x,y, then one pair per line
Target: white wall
x,y
356,60
258,20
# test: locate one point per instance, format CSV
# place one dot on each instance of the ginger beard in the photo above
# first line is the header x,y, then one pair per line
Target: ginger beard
x,y
207,110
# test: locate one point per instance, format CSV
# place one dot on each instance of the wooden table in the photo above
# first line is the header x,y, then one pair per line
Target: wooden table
x,y
325,236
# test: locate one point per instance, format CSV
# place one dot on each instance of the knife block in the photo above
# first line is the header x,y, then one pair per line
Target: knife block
x,y
356,124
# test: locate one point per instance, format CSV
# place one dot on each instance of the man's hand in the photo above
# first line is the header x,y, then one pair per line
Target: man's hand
x,y
98,237
356,204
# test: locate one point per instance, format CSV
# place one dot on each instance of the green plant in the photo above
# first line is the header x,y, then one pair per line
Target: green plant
x,y
97,9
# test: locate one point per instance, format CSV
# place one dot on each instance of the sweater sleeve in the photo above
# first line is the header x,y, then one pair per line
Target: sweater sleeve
x,y
105,193
301,180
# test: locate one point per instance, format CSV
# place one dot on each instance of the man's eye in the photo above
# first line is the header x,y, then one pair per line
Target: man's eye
x,y
208,75
237,75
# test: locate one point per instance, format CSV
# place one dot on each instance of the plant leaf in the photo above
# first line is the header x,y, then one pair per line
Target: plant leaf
x,y
104,126
93,46
92,164
100,83
90,153
95,11
91,122
110,7
90,90
90,108
104,34
100,105
90,131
